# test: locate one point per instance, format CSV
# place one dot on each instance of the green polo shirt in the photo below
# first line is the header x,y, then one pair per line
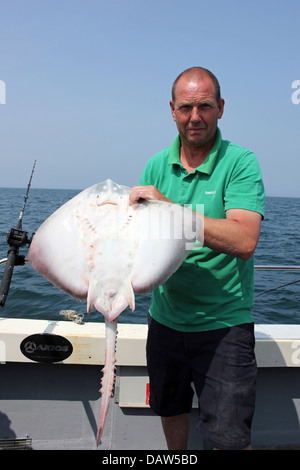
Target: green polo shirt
x,y
210,290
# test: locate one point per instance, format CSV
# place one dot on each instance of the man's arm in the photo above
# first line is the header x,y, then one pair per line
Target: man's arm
x,y
237,235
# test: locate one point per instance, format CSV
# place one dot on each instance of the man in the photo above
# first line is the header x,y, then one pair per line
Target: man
x,y
200,325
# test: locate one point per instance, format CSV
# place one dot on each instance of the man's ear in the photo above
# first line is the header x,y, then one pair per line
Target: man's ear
x,y
172,109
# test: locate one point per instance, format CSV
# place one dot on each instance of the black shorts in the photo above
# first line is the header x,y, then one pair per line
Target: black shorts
x,y
221,364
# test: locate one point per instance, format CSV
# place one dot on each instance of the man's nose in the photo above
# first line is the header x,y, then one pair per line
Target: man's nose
x,y
195,116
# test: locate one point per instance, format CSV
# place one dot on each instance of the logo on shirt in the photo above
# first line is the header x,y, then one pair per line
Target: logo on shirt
x,y
210,192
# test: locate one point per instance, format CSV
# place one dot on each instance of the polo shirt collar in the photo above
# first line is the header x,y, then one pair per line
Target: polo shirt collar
x,y
208,164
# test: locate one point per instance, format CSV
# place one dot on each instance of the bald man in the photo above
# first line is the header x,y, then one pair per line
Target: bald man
x,y
201,329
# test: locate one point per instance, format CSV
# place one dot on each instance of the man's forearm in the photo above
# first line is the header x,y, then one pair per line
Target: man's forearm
x,y
235,236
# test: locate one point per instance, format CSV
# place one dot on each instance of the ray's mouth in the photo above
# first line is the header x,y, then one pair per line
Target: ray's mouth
x,y
101,201
108,202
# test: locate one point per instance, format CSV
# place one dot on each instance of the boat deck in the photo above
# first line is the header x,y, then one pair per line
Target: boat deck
x,y
56,405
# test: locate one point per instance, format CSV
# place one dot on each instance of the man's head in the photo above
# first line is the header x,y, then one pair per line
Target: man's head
x,y
198,72
196,106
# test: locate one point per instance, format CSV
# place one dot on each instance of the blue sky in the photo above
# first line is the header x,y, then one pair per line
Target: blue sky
x,y
88,85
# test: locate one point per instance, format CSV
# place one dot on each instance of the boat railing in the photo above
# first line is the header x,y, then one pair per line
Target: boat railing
x,y
257,267
2,261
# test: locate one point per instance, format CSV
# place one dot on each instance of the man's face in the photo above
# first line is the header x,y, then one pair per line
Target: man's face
x,y
196,110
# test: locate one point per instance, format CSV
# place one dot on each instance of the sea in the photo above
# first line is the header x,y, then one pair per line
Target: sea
x,y
277,292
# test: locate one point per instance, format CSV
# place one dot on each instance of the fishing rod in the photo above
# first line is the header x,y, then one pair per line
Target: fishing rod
x,y
277,268
16,238
278,287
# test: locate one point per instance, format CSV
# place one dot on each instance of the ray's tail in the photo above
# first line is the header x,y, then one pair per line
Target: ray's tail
x,y
108,371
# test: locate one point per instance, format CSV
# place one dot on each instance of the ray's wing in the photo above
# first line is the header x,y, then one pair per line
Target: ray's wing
x,y
56,251
63,248
167,233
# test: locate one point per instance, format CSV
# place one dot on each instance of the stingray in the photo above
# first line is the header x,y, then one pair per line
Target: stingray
x,y
99,248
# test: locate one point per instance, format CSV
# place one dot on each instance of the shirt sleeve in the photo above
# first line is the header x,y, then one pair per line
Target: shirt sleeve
x,y
245,189
146,176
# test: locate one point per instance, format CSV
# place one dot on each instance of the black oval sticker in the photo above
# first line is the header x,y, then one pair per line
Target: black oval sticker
x,y
46,347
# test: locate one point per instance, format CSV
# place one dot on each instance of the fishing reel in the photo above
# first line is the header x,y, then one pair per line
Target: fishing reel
x,y
17,237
